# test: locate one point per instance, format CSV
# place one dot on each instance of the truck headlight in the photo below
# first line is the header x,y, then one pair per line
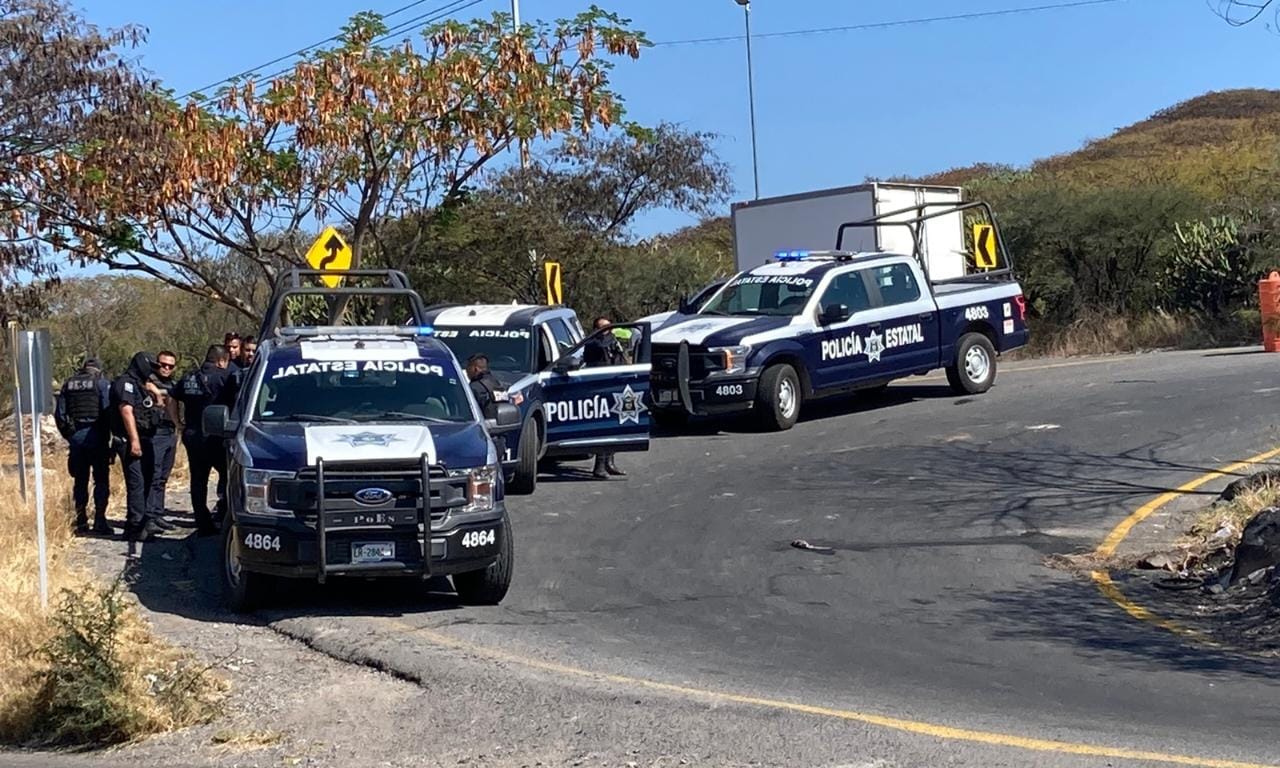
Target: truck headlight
x,y
482,488
735,358
257,486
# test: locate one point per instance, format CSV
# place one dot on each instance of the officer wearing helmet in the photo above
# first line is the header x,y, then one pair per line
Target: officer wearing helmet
x,y
81,415
136,415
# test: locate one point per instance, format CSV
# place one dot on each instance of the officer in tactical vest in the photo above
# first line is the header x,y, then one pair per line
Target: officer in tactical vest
x,y
80,414
199,389
604,350
136,414
164,443
484,386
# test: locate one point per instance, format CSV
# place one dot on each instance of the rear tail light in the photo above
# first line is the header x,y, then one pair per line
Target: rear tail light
x,y
1021,304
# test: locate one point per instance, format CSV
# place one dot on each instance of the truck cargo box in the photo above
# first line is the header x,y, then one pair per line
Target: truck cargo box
x,y
809,221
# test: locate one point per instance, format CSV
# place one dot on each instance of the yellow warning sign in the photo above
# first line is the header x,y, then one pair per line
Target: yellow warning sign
x,y
330,253
551,276
984,246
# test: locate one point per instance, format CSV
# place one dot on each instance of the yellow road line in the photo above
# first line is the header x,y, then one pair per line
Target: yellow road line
x,y
917,727
1107,548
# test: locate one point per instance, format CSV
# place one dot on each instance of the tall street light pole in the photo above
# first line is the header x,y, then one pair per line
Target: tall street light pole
x,y
515,15
751,96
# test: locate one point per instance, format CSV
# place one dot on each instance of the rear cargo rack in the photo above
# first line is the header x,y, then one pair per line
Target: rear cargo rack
x,y
914,224
305,282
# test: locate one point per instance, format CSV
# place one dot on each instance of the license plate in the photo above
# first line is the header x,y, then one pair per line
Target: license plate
x,y
372,551
666,396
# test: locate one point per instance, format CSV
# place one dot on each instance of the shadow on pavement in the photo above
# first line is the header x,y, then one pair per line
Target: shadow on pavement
x,y
1072,611
833,406
180,575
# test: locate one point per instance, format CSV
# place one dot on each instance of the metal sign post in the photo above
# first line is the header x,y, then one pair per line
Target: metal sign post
x,y
17,409
35,364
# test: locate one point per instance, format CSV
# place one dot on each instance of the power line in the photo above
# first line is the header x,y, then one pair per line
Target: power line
x,y
303,50
888,24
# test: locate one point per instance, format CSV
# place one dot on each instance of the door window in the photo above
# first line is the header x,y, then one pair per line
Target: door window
x,y
897,284
562,335
848,289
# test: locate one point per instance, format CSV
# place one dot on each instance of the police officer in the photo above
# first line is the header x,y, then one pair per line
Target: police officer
x,y
604,349
210,385
81,413
232,342
485,388
136,415
165,441
248,351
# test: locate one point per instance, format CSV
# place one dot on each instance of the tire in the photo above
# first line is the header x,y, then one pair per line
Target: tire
x,y
974,369
525,479
489,586
242,591
671,419
778,398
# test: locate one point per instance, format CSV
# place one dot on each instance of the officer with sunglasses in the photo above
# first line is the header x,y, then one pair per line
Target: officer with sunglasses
x,y
164,443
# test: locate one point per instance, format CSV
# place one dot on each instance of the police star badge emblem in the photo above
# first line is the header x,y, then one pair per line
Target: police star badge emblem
x,y
875,345
360,439
628,405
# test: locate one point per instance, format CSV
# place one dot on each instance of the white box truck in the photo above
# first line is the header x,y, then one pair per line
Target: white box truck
x,y
809,221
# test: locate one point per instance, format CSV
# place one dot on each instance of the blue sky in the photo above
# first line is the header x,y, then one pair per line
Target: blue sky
x,y
832,109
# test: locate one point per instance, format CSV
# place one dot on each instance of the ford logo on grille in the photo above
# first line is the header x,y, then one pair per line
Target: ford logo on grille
x,y
373,496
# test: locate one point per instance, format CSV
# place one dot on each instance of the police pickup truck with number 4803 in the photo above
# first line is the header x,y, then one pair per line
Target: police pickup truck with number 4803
x,y
360,451
818,323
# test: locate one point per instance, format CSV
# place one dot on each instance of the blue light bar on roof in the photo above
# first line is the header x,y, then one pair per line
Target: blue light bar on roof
x,y
790,255
426,330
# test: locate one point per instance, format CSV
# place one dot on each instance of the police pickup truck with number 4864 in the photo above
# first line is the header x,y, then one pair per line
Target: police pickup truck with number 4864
x,y
813,324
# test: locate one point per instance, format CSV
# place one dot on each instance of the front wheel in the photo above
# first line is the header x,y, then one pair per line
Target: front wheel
x,y
778,398
489,586
525,479
242,590
974,369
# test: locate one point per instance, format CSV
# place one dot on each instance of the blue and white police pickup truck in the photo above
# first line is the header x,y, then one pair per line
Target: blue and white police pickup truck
x,y
813,324
567,410
359,451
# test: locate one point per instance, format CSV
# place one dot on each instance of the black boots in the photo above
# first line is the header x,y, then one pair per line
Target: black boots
x,y
82,521
605,468
100,524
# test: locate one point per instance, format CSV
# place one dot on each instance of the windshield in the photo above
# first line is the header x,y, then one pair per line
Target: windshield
x,y
362,390
782,295
508,349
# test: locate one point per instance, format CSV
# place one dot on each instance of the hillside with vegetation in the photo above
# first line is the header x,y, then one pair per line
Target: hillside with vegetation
x,y
1152,236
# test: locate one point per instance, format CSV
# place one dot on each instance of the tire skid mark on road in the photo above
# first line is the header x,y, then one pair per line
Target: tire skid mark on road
x,y
920,728
1108,587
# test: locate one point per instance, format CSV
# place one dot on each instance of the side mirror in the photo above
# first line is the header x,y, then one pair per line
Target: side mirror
x,y
216,422
507,416
834,313
566,364
686,306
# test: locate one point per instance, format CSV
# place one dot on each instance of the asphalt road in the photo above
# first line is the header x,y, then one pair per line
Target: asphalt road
x,y
935,605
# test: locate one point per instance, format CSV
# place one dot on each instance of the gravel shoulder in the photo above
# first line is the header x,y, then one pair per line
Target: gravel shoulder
x,y
293,705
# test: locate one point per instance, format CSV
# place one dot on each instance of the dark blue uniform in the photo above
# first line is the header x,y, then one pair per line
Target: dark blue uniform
x,y
129,389
198,390
164,445
81,411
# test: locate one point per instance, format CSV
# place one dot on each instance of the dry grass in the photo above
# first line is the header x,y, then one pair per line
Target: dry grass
x,y
88,671
1105,335
1224,522
1208,543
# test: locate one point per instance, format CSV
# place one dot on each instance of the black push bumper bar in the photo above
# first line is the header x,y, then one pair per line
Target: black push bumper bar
x,y
396,505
